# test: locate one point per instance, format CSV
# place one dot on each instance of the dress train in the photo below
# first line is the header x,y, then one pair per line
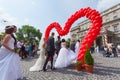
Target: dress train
x,y
41,60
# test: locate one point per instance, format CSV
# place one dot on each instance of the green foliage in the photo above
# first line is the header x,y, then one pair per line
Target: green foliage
x,y
88,57
78,63
0,36
28,33
68,42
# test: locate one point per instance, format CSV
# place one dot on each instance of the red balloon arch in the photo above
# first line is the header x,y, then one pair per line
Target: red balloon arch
x,y
94,30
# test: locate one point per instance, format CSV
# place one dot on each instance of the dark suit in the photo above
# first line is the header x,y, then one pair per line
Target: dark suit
x,y
50,50
57,46
72,46
14,39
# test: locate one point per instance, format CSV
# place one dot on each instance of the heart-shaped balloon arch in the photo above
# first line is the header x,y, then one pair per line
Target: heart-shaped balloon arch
x,y
94,30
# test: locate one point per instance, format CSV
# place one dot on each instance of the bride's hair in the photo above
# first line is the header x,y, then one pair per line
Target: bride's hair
x,y
63,40
9,29
78,40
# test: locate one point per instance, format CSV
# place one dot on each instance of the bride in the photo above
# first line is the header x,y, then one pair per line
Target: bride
x,y
9,60
40,61
65,56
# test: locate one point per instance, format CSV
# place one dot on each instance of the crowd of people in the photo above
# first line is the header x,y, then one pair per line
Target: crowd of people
x,y
27,49
107,51
111,50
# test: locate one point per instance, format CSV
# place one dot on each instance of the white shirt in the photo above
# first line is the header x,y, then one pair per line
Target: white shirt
x,y
19,44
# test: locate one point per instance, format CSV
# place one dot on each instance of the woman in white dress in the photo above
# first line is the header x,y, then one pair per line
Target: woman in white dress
x,y
9,60
40,61
65,56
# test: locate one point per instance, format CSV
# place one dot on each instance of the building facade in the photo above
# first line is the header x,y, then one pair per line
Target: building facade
x,y
111,23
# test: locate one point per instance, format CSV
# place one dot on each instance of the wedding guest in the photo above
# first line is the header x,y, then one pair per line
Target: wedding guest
x,y
13,35
72,45
30,50
118,48
58,45
114,51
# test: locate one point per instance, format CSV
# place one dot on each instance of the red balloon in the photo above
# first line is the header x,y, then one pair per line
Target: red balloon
x,y
91,14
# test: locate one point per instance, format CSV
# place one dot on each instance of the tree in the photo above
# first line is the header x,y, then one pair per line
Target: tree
x,y
68,42
28,33
0,36
88,57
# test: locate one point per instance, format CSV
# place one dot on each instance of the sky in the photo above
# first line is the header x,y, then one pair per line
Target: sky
x,y
40,13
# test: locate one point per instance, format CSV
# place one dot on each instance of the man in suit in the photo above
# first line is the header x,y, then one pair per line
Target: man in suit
x,y
72,45
50,50
15,29
58,45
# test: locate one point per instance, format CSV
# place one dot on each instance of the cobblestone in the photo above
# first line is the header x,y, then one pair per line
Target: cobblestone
x,y
104,69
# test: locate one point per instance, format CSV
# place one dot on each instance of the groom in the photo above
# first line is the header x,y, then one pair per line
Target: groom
x,y
50,50
15,29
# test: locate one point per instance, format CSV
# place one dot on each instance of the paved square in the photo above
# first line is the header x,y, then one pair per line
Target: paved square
x,y
104,69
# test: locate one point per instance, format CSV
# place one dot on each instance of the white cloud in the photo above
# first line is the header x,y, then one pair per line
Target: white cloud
x,y
26,20
105,4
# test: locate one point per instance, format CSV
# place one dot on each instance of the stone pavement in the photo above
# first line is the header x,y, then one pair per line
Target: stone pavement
x,y
104,69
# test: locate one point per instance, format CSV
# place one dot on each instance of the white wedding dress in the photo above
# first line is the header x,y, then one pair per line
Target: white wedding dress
x,y
40,61
65,57
9,63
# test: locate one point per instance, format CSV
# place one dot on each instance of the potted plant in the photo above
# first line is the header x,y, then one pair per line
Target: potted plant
x,y
78,65
89,61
